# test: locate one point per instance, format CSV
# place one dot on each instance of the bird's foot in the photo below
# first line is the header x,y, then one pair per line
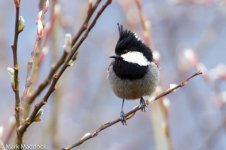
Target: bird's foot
x,y
123,118
143,104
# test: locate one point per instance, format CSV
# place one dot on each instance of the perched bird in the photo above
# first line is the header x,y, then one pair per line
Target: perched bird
x,y
133,73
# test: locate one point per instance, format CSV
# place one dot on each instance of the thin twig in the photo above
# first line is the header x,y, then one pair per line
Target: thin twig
x,y
30,97
130,114
56,77
91,10
52,21
145,25
15,86
36,53
16,67
34,61
46,82
29,83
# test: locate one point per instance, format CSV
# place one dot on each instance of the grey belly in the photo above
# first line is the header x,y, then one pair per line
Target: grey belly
x,y
134,89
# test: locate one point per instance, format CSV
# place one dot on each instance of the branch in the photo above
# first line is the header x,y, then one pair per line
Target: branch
x,y
145,25
33,65
84,26
56,77
16,69
46,82
130,114
15,83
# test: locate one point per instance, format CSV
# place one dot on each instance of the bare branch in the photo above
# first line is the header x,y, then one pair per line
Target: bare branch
x,y
33,65
91,10
15,85
128,115
145,25
56,77
16,69
46,82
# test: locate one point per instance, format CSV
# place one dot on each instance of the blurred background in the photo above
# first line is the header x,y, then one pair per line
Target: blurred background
x,y
186,36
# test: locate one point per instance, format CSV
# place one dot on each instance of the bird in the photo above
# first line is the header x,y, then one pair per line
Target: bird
x,y
133,72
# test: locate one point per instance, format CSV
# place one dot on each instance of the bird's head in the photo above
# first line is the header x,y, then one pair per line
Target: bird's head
x,y
130,48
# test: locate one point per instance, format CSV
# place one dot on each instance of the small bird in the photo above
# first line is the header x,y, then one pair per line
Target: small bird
x,y
132,73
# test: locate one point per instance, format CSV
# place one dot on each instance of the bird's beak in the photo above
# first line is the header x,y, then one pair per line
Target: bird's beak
x,y
114,57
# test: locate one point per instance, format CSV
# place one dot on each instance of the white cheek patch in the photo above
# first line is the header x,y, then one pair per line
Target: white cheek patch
x,y
135,57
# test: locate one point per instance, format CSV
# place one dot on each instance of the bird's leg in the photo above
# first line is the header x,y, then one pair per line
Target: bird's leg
x,y
143,104
122,115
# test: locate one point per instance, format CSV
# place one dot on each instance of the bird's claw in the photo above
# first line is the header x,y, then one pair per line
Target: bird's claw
x,y
123,118
143,104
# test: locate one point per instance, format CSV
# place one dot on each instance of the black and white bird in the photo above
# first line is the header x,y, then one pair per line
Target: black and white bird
x,y
133,73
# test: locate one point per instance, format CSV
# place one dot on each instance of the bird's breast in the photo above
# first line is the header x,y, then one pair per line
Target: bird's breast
x,y
134,89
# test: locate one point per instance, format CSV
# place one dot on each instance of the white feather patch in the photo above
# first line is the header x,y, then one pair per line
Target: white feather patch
x,y
135,57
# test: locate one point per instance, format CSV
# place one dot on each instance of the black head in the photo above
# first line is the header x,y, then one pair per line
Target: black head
x,y
128,41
